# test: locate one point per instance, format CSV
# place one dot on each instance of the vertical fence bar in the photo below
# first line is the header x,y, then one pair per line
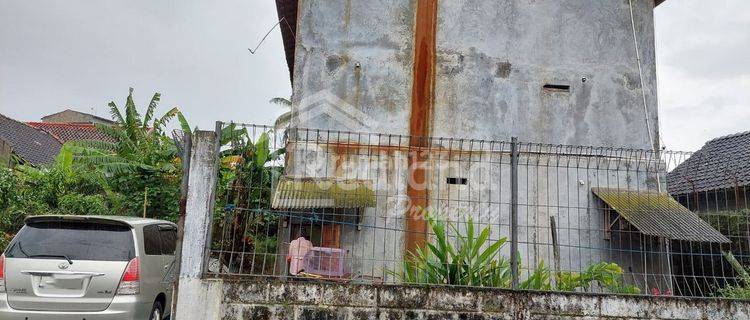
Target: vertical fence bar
x,y
514,211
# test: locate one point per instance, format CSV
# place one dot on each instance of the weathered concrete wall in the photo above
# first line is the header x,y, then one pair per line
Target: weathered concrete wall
x,y
493,58
362,53
262,300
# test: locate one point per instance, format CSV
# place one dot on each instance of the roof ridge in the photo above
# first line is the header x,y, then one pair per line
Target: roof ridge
x,y
80,112
732,135
61,124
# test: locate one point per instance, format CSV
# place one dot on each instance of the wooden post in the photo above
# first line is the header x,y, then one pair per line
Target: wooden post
x,y
555,244
145,201
187,146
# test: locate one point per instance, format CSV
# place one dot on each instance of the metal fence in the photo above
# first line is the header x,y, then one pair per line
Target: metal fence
x,y
316,205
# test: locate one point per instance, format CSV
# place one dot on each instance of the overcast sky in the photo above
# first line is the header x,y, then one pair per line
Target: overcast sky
x,y
82,54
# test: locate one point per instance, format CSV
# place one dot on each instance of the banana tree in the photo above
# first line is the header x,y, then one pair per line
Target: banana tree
x,y
284,119
248,170
140,160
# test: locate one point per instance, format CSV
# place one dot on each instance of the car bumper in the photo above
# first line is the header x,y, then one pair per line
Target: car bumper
x,y
121,308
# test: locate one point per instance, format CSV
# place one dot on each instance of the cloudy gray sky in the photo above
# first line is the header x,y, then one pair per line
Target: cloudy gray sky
x,y
82,54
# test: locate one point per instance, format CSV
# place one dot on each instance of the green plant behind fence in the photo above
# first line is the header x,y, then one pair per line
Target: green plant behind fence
x,y
470,258
738,291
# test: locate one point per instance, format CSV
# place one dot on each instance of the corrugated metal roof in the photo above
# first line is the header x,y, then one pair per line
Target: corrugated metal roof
x,y
658,214
308,193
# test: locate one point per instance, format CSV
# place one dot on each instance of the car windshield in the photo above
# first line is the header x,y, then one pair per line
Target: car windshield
x,y
73,240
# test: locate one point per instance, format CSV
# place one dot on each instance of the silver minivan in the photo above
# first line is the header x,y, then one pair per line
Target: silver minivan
x,y
88,267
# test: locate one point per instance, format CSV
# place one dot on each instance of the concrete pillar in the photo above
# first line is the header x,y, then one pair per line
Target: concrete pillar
x,y
199,298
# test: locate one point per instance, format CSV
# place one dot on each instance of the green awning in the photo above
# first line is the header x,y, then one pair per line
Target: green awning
x,y
658,214
310,193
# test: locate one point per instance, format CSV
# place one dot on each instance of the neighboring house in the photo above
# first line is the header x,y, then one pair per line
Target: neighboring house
x,y
72,131
72,116
28,144
715,183
554,72
716,178
38,143
71,125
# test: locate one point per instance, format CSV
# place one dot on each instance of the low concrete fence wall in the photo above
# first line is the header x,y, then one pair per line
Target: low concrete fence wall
x,y
276,300
209,299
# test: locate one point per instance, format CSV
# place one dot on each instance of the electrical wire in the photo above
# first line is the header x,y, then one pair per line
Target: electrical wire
x,y
653,143
253,51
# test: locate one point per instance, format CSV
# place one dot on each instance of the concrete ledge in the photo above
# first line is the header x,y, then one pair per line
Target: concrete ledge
x,y
200,299
251,299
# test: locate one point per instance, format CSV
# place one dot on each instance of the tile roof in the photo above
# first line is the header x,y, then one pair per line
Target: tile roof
x,y
658,214
72,131
722,163
33,145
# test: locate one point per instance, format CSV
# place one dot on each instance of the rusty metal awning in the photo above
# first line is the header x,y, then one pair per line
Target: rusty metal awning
x,y
311,193
658,214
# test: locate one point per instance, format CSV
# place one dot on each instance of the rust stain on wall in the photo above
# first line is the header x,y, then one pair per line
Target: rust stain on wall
x,y
421,116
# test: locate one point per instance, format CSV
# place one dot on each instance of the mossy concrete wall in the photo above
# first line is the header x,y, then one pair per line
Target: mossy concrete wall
x,y
305,300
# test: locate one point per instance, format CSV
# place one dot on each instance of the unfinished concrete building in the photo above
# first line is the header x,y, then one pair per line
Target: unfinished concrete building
x,y
443,86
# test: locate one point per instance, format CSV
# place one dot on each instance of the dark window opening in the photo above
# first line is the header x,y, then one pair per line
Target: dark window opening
x,y
151,240
453,180
168,240
557,87
75,240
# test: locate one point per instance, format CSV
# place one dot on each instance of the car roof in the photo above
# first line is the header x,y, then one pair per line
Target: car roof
x,y
121,220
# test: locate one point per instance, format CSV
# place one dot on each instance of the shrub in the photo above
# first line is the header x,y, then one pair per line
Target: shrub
x,y
75,203
607,275
739,291
473,260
